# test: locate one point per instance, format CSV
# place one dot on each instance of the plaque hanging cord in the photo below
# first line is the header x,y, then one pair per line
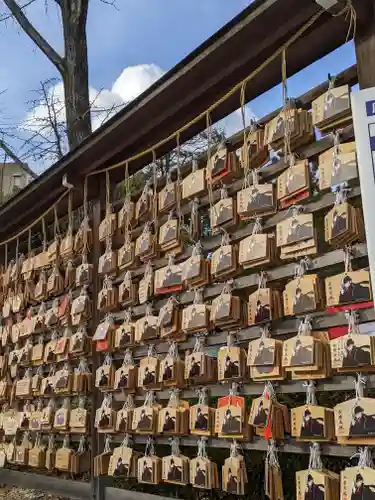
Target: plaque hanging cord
x,y
315,460
310,392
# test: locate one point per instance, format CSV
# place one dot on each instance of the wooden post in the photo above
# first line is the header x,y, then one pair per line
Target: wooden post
x,y
365,42
96,491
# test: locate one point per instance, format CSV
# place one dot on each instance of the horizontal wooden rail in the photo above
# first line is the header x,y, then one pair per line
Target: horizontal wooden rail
x,y
288,445
336,383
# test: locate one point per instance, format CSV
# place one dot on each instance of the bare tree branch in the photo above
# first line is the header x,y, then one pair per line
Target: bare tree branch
x,y
7,150
35,36
112,3
5,17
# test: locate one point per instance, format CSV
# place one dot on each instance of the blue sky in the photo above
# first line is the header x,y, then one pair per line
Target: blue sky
x,y
153,33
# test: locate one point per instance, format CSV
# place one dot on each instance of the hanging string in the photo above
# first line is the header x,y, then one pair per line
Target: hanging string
x,y
360,385
269,391
70,212
44,232
202,395
107,193
155,193
272,457
257,227
286,108
150,447
233,390
126,442
193,230
209,159
36,221
85,218
178,184
336,161
349,10
365,458
17,261
315,460
262,280
175,446
127,180
310,392
202,447
305,326
29,243
234,449
243,116
56,226
348,254
342,193
85,191
174,398
266,332
107,444
352,318
199,341
301,268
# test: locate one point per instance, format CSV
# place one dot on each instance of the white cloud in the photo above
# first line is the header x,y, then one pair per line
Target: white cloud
x,y
234,123
136,79
131,83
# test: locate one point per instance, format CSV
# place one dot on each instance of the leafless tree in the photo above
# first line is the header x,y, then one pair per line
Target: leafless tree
x,y
72,66
42,137
194,147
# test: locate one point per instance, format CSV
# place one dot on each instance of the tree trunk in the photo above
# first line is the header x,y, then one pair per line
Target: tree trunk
x,y
75,74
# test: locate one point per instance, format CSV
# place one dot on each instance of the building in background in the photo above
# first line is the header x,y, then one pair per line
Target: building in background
x,y
13,178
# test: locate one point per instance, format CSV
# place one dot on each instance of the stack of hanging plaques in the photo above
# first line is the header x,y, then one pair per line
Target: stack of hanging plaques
x,y
303,295
167,197
222,166
224,261
313,483
313,422
338,165
264,359
299,125
227,311
332,109
348,288
234,474
258,199
343,225
306,356
269,417
170,237
256,250
196,269
254,152
224,213
353,353
264,305
293,185
296,236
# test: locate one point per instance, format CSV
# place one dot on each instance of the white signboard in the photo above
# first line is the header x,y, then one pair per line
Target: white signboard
x,y
363,108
